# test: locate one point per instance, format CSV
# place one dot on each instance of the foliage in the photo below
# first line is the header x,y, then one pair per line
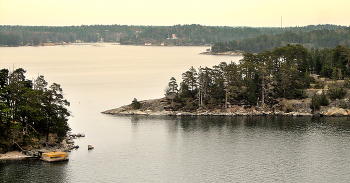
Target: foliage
x,y
323,100
264,78
247,38
315,102
335,91
135,104
319,38
29,108
347,82
319,100
172,88
258,78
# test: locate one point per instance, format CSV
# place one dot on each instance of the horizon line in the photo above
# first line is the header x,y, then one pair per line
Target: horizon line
x,y
168,25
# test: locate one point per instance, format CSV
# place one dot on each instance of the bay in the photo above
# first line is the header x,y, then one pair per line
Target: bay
x,y
97,77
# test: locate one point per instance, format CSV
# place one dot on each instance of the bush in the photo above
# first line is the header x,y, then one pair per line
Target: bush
x,y
315,103
319,100
336,92
135,104
323,100
347,82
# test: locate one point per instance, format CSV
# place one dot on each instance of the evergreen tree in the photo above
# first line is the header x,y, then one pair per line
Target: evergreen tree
x,y
31,107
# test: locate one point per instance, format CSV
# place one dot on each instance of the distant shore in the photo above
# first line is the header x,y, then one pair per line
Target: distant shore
x,y
229,53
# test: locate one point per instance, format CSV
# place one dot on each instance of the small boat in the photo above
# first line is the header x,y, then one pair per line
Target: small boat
x,y
54,156
90,147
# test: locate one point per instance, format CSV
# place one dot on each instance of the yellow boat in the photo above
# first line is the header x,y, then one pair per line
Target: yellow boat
x,y
54,156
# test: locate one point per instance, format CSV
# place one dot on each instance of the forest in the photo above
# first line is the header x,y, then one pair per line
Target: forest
x,y
185,35
263,78
320,39
30,110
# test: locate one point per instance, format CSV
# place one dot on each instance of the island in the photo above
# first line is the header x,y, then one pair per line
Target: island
x,y
33,116
290,80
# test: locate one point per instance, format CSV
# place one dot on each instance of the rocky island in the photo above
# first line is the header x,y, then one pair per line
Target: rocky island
x,y
162,107
289,80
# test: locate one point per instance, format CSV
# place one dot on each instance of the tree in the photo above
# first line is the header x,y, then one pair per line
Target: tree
x,y
40,83
172,88
318,100
315,102
190,78
32,105
335,91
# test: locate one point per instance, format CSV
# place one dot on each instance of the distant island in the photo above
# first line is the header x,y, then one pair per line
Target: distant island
x,y
290,80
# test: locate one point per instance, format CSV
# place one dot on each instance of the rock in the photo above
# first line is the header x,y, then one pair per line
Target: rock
x,y
70,141
333,111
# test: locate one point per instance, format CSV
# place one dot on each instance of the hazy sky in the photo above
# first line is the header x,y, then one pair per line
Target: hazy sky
x,y
255,13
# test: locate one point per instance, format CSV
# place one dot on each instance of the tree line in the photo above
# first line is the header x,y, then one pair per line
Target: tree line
x,y
137,35
320,39
260,79
30,109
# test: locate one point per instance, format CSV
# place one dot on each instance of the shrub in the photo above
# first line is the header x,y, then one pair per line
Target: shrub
x,y
336,92
315,102
347,82
323,100
135,104
319,100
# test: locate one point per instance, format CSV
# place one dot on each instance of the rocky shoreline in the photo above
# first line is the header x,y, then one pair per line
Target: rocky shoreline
x,y
66,145
160,107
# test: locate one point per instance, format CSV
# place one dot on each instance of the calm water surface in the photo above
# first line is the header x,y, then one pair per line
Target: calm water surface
x,y
98,77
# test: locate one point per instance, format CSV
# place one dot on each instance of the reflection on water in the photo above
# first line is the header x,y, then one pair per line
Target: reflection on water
x,y
32,171
168,148
206,149
283,123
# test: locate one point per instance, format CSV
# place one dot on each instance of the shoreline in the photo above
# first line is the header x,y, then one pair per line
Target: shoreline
x,y
159,107
67,145
112,43
13,155
229,53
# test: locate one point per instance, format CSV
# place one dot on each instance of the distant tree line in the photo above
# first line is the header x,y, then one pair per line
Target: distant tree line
x,y
30,109
260,78
185,34
320,39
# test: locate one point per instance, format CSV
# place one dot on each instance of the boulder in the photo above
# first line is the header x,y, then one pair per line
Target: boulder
x,y
70,141
333,111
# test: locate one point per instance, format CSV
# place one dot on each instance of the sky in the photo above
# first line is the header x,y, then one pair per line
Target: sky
x,y
253,13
